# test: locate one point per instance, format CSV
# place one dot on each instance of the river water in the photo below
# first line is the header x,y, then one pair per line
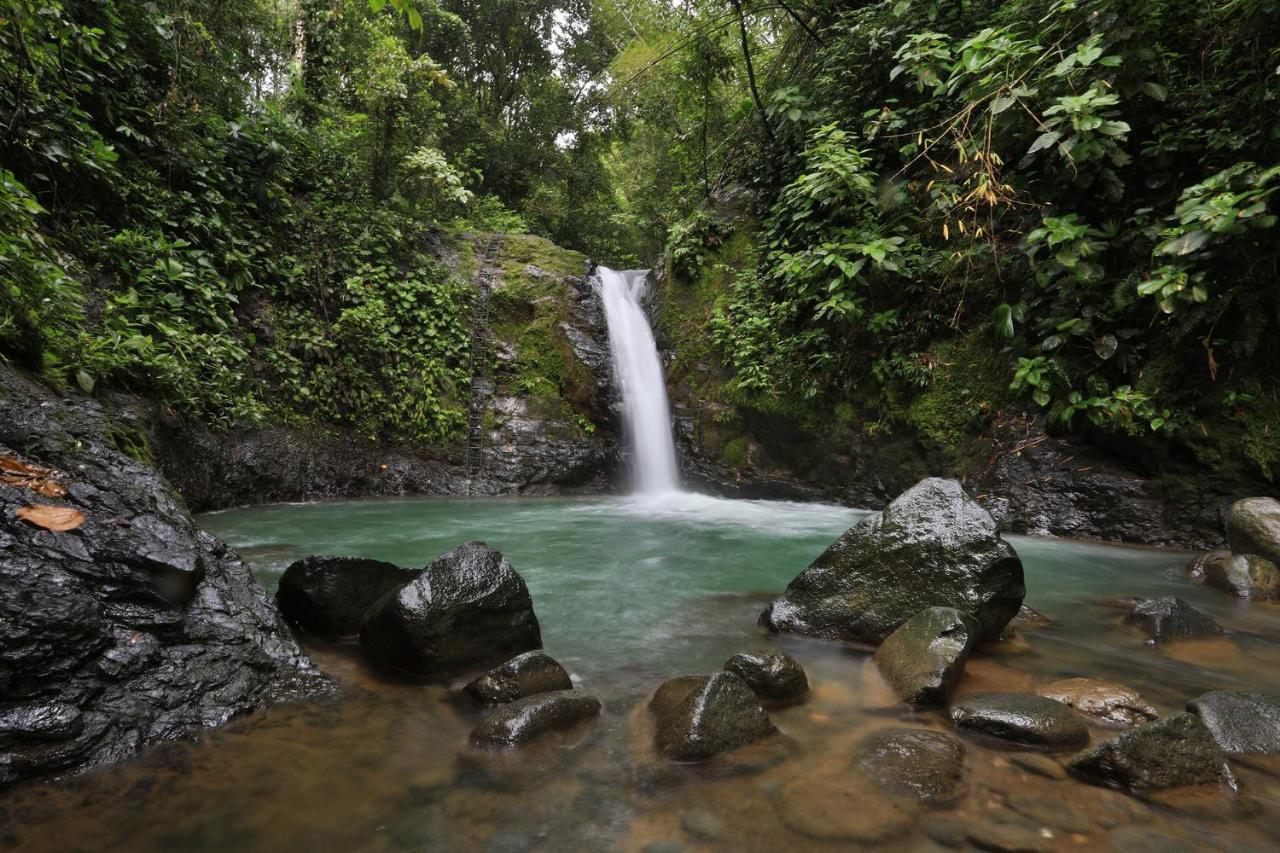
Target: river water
x,y
629,592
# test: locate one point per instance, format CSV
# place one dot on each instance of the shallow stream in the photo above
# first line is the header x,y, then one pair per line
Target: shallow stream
x,y
630,592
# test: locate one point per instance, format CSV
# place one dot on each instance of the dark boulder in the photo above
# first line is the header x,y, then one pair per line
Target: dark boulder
x,y
524,720
774,676
466,609
1245,576
933,546
697,717
1170,753
926,765
1168,619
1020,718
134,627
524,675
1240,722
1109,703
329,596
1253,527
925,657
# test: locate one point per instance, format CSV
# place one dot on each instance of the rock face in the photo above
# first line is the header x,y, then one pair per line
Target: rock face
x,y
524,720
697,717
1109,703
1168,619
1240,722
1253,527
1245,576
927,765
1021,718
924,658
1170,753
774,676
523,675
932,546
329,596
134,627
465,609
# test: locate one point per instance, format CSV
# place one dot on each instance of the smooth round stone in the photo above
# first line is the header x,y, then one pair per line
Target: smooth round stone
x,y
1024,719
525,720
924,658
1253,527
524,675
697,717
1240,722
926,765
1245,576
1174,752
990,835
774,676
1104,701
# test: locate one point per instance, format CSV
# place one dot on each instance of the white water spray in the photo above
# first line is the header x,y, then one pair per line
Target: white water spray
x,y
638,371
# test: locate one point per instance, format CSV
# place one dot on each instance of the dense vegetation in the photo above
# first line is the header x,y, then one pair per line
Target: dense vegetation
x,y
917,215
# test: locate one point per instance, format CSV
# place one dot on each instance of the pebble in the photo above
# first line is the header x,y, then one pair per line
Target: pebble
x,y
1040,765
702,824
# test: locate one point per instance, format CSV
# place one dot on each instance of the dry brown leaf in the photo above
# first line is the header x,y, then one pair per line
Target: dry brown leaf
x,y
15,472
52,517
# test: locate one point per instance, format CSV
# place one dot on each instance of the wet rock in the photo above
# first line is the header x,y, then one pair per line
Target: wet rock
x,y
134,628
1008,837
1020,718
1144,839
837,804
467,608
1041,765
1240,722
1104,701
1200,563
1169,753
524,720
702,824
523,675
697,717
1169,619
774,676
925,764
933,546
1253,527
1029,618
329,596
1245,576
1049,812
924,658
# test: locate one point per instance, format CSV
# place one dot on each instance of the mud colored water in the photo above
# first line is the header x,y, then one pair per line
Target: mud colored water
x,y
630,592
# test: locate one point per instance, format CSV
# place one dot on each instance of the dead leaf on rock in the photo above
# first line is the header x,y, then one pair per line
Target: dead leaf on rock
x,y
15,472
52,517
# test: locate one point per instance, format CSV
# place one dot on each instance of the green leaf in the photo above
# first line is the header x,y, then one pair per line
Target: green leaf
x,y
85,381
1044,140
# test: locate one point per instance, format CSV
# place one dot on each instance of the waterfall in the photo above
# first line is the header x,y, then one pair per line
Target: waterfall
x,y
638,372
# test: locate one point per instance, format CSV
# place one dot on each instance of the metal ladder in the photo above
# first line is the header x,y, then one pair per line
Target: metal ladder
x,y
480,336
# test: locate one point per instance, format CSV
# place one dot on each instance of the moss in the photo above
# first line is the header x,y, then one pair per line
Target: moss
x,y
525,250
132,443
735,453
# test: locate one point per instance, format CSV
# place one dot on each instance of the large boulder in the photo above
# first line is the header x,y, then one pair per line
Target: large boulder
x,y
925,657
1020,718
527,719
1173,752
466,609
1169,619
524,675
1245,576
122,623
697,717
774,676
1114,704
1240,722
1253,527
933,546
927,765
329,596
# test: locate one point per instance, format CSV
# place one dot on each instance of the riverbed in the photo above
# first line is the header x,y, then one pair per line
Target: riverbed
x,y
630,592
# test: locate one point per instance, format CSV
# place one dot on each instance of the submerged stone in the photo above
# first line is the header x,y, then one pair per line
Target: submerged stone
x,y
1253,527
774,676
1174,752
1198,565
933,546
925,764
466,609
524,675
524,720
1104,701
329,596
1245,576
697,717
924,658
1019,718
1240,722
1169,619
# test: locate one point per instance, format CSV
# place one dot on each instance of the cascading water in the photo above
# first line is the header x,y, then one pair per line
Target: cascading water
x,y
639,375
